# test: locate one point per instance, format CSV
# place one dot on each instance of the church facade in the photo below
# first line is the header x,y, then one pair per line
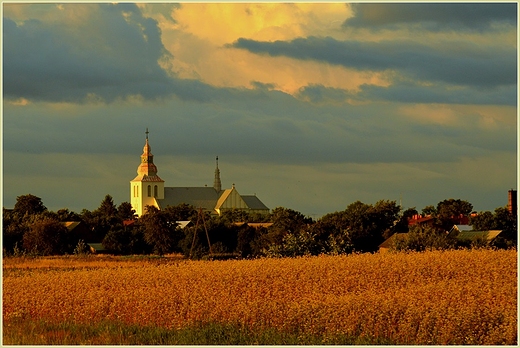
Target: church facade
x,y
147,188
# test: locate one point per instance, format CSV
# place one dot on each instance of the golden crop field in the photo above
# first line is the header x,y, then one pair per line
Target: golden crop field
x,y
450,297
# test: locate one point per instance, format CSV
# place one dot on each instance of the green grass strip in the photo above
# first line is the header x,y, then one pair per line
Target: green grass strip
x,y
27,332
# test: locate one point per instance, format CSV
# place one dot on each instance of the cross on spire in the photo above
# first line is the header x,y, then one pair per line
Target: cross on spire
x,y
146,133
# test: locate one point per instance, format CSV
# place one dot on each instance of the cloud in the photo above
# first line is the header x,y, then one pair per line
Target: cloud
x,y
433,16
116,56
458,63
408,92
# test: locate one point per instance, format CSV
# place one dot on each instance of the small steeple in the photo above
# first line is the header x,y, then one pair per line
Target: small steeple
x,y
217,183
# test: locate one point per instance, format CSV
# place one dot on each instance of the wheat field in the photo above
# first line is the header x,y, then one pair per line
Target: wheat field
x,y
437,297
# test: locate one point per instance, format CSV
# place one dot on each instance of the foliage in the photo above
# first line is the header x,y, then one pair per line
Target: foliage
x,y
47,237
449,210
160,232
431,298
125,211
360,227
81,248
29,205
421,238
126,241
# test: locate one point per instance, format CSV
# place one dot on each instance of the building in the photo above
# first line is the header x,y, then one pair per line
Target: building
x,y
470,236
147,188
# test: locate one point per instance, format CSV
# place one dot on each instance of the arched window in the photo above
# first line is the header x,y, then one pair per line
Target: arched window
x,y
149,190
155,191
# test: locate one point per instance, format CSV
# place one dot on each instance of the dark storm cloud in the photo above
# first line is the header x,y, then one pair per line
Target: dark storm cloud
x,y
116,57
433,16
457,63
413,93
267,126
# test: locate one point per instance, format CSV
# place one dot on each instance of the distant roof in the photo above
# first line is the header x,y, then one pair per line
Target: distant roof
x,y
464,227
71,224
182,224
254,203
390,240
419,220
255,224
199,197
488,235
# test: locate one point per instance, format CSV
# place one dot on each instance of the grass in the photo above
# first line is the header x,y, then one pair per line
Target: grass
x,y
29,332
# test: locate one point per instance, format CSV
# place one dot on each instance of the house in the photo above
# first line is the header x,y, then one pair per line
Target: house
x,y
460,228
79,229
390,242
97,248
147,188
470,236
420,220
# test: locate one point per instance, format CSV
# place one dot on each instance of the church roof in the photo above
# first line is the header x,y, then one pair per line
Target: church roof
x,y
253,202
199,197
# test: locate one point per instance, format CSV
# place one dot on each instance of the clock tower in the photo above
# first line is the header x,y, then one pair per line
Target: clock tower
x,y
147,186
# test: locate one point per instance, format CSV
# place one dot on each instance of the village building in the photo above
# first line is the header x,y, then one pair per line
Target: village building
x,y
147,189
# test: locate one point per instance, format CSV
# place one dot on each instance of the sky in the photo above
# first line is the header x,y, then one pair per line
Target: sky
x,y
310,106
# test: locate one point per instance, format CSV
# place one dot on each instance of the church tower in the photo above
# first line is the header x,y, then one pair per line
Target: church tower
x,y
147,186
217,184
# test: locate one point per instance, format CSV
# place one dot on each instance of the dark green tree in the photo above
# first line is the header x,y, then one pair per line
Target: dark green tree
x,y
429,210
360,227
483,221
125,211
421,238
14,226
450,210
181,212
160,232
48,237
126,240
29,204
402,224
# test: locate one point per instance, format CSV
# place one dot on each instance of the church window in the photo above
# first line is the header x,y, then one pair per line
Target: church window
x,y
155,191
149,191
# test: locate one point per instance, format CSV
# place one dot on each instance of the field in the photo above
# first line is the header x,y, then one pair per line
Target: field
x,y
450,297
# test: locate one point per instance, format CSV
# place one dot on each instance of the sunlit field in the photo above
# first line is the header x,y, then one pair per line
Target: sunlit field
x,y
450,297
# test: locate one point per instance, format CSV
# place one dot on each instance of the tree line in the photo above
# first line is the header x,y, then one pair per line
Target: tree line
x,y
31,229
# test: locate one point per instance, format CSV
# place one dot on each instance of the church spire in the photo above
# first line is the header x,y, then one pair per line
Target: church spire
x,y
217,184
147,167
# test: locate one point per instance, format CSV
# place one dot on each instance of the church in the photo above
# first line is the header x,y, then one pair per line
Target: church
x,y
147,188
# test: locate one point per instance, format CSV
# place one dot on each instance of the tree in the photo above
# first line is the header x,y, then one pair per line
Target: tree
x,y
402,224
429,210
501,219
421,238
14,227
483,221
160,232
101,220
126,240
125,211
107,208
29,204
450,210
360,227
181,212
286,221
48,237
